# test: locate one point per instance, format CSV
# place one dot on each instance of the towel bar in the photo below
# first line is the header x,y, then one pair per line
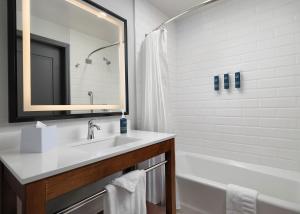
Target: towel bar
x,y
98,194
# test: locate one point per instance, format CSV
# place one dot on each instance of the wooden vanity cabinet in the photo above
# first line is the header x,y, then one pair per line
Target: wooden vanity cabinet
x,y
32,198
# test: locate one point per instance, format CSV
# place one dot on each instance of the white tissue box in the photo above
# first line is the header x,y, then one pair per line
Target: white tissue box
x,y
38,140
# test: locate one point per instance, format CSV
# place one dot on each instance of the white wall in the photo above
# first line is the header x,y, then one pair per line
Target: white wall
x,y
261,122
147,18
10,133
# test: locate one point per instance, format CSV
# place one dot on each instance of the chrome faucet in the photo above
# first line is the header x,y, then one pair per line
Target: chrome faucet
x,y
91,126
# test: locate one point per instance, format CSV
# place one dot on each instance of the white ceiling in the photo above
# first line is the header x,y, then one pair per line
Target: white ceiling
x,y
173,7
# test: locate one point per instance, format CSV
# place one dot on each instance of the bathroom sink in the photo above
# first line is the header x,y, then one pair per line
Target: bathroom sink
x,y
97,145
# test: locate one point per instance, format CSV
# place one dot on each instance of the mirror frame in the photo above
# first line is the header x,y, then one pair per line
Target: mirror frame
x,y
12,75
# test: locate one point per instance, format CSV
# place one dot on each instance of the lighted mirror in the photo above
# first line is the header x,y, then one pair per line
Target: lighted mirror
x,y
71,59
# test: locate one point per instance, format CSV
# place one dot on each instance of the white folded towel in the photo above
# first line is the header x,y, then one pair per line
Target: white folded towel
x,y
127,194
240,200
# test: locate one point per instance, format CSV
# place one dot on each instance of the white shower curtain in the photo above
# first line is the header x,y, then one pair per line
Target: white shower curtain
x,y
154,108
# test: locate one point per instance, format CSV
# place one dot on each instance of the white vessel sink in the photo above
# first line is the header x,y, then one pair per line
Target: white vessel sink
x,y
97,145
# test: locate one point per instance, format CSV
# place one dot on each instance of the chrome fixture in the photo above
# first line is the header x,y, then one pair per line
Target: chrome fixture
x,y
183,13
91,126
90,61
91,95
107,61
97,195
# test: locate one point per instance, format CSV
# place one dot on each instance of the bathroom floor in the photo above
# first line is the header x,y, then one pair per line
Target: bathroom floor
x,y
153,209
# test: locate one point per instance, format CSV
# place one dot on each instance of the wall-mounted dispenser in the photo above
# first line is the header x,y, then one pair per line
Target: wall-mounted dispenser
x,y
226,81
238,80
217,83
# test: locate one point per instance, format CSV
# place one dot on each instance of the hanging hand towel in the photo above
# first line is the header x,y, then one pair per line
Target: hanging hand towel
x,y
240,200
127,194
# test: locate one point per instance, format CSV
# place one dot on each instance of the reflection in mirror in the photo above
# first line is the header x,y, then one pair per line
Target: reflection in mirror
x,y
77,58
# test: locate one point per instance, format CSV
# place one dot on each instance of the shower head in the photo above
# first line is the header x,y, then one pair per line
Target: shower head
x,y
88,61
107,61
90,93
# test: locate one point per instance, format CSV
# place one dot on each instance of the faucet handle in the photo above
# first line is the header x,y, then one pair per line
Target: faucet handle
x,y
91,121
91,126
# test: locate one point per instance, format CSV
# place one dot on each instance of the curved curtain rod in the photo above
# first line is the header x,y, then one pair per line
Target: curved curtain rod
x,y
99,49
183,13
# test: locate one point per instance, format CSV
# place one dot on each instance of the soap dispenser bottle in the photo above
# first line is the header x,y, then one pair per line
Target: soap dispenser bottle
x,y
123,123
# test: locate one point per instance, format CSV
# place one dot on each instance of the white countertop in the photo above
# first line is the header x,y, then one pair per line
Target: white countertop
x,y
31,167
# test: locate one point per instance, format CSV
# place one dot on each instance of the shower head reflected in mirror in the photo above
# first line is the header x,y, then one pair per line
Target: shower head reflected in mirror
x,y
89,61
107,61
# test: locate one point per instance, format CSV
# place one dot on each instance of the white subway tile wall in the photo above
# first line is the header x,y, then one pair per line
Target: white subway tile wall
x,y
259,123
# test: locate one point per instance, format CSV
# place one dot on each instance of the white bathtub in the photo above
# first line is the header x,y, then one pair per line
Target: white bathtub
x,y
202,182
